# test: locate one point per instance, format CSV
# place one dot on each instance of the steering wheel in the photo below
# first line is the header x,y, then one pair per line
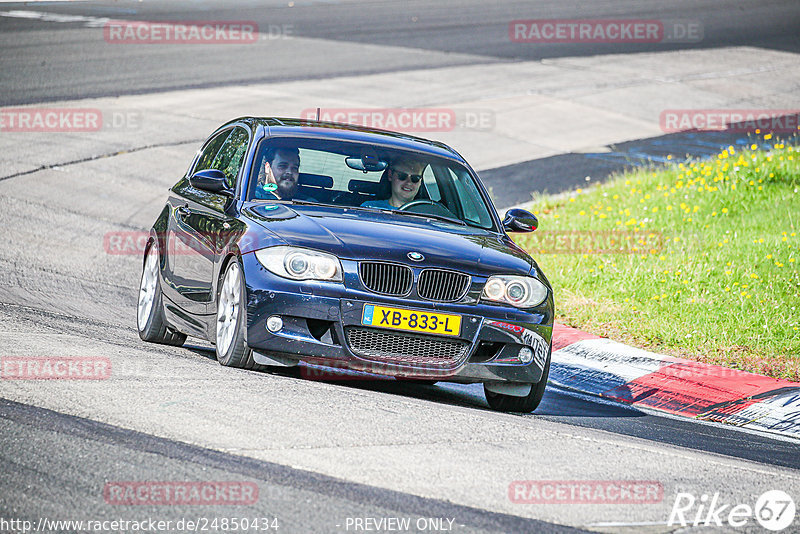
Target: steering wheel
x,y
438,209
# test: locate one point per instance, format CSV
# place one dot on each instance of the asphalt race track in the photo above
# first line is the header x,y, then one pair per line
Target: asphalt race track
x,y
325,456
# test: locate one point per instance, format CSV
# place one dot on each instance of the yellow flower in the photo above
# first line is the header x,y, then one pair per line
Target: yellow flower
x,y
768,137
724,210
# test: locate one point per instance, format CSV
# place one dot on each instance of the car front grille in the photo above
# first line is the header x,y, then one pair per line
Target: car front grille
x,y
386,278
396,280
406,349
442,286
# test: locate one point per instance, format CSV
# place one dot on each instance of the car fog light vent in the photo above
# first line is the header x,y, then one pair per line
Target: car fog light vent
x,y
525,355
274,324
486,351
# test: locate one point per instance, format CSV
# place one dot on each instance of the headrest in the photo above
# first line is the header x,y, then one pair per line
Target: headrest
x,y
364,187
315,180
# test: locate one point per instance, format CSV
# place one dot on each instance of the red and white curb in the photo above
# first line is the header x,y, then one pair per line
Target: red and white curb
x,y
611,370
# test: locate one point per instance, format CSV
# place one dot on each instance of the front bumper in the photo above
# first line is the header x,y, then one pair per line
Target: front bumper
x,y
322,325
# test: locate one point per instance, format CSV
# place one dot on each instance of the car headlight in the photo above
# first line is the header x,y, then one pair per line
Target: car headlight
x,y
519,291
301,263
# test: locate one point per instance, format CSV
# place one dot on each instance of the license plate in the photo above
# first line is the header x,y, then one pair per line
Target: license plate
x,y
411,320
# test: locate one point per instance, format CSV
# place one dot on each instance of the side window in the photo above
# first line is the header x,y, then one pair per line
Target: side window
x,y
429,179
474,209
207,157
230,157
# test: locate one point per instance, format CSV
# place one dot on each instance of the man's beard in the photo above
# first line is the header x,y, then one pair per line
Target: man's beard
x,y
287,188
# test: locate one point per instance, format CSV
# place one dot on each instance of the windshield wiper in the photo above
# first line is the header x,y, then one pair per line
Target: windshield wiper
x,y
431,216
311,203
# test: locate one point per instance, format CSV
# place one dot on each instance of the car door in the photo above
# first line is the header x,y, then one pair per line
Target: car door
x,y
178,238
201,222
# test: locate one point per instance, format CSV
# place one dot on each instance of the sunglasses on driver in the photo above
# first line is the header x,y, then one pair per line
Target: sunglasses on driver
x,y
403,176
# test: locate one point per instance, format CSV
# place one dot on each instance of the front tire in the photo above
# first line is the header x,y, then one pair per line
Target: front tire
x,y
231,338
149,311
526,404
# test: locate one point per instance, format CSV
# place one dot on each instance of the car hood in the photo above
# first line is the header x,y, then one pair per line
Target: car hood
x,y
372,235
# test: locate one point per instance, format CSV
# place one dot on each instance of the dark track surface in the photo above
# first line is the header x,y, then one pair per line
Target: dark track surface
x,y
33,440
45,61
56,464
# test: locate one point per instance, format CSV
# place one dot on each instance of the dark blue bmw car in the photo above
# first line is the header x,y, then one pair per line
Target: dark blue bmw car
x,y
293,241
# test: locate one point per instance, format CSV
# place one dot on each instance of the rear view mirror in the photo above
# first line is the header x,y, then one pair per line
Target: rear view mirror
x,y
519,220
211,180
366,163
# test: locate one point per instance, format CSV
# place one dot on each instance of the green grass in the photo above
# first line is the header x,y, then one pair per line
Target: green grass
x,y
710,269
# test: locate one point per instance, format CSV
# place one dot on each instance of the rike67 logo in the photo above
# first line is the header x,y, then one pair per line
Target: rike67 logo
x,y
774,510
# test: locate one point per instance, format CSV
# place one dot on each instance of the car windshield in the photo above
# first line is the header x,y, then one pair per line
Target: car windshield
x,y
364,176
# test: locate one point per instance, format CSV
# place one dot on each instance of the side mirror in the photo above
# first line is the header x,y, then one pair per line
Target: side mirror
x,y
518,220
211,180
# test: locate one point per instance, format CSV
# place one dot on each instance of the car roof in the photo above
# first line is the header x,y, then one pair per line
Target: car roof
x,y
278,126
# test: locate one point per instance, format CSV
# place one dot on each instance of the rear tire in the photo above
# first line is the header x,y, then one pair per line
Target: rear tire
x,y
150,320
526,404
231,336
